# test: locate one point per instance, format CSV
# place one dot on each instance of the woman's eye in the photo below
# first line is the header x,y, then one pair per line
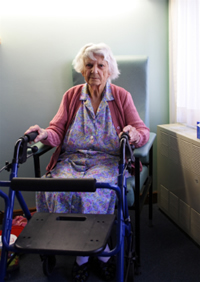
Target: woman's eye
x,y
89,65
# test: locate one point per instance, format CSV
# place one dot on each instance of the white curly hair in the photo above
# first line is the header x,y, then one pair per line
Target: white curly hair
x,y
91,49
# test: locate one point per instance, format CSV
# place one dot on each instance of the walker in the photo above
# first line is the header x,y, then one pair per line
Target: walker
x,y
50,234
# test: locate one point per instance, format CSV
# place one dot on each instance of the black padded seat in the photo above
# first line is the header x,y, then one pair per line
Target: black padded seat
x,y
82,234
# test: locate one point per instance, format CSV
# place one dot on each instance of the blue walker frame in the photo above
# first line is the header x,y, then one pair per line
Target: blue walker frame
x,y
124,227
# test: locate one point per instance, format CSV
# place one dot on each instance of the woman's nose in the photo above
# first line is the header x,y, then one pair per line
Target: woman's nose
x,y
94,69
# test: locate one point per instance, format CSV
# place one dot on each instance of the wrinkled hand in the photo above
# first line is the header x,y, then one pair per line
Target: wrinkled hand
x,y
42,133
134,136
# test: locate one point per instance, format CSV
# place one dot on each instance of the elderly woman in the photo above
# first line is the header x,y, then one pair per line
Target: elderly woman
x,y
86,131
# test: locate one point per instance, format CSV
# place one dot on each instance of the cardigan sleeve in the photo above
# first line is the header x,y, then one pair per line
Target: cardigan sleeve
x,y
124,113
132,118
56,128
63,118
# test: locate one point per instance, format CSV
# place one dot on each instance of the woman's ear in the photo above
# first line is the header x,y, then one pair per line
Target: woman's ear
x,y
82,72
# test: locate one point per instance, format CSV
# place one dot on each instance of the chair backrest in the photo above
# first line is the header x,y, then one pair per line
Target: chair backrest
x,y
134,78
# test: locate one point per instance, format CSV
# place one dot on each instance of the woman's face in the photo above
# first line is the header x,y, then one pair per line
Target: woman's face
x,y
96,72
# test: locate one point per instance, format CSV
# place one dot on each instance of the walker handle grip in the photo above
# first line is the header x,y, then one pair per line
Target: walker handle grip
x,y
31,136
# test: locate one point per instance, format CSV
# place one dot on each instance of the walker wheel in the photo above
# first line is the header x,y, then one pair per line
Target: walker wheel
x,y
49,263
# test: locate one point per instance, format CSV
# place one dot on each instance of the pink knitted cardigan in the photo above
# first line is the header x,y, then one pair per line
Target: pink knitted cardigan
x,y
123,112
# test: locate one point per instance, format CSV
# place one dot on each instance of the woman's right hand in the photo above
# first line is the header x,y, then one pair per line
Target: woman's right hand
x,y
42,133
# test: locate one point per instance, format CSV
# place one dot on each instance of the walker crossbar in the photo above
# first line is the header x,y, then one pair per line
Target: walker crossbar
x,y
53,184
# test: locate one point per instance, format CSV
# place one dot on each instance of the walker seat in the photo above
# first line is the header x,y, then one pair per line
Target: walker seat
x,y
54,232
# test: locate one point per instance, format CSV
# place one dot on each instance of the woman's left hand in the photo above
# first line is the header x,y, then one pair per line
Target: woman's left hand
x,y
134,136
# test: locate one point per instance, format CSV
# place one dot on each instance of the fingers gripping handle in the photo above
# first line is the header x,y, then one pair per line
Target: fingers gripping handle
x,y
125,135
30,136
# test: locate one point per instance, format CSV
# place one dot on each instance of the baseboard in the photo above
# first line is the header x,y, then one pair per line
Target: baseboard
x,y
20,212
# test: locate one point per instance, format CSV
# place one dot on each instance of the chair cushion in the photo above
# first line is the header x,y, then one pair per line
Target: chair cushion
x,y
131,185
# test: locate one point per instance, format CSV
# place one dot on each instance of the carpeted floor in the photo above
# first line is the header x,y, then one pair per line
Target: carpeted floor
x,y
167,255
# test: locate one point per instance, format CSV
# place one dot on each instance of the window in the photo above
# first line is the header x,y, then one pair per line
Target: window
x,y
184,58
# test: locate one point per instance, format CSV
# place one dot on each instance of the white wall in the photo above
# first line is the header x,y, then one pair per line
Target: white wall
x,y
39,39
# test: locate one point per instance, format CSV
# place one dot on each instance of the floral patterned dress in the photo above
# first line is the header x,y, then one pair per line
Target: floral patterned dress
x,y
91,149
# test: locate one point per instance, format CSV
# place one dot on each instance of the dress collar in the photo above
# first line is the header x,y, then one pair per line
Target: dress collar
x,y
107,94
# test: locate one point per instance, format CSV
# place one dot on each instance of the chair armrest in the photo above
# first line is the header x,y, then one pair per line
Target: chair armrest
x,y
144,150
42,149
